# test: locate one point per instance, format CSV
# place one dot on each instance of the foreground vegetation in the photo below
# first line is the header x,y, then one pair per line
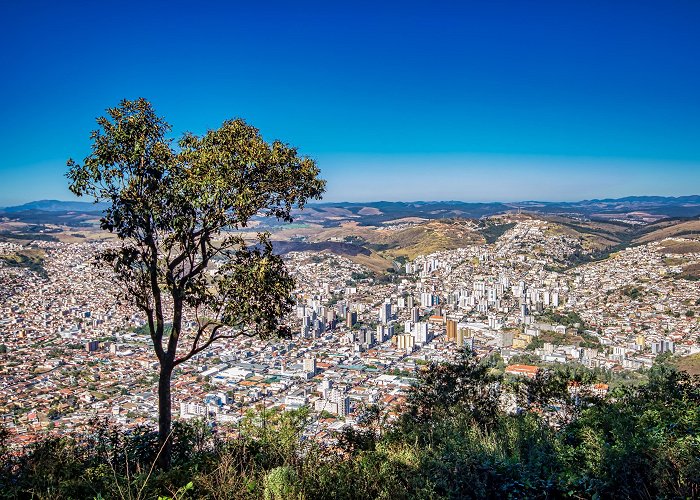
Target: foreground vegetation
x,y
451,441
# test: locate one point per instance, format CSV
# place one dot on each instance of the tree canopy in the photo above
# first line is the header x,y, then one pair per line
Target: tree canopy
x,y
175,207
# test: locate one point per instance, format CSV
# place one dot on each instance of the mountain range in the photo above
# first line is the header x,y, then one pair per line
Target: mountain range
x,y
632,209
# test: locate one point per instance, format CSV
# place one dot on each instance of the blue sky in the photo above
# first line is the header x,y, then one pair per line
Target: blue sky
x,y
475,101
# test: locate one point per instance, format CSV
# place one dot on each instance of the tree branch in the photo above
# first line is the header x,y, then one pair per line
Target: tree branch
x,y
196,350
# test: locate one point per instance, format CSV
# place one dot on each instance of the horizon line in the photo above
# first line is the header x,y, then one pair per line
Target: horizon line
x,y
321,202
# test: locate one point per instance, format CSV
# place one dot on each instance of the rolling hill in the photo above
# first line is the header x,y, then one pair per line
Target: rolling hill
x,y
375,234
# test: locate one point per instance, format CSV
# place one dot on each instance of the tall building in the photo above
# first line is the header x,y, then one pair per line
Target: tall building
x,y
468,342
325,387
451,330
341,400
367,337
385,312
504,339
422,333
310,365
384,332
330,318
415,315
461,335
350,318
405,341
409,301
662,346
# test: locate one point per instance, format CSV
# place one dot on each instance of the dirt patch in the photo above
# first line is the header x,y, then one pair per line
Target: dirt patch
x,y
680,246
691,272
370,211
690,364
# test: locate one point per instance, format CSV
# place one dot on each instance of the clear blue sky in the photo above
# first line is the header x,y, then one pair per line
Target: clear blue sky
x,y
475,101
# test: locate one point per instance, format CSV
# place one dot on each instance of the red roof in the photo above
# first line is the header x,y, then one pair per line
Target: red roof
x,y
527,370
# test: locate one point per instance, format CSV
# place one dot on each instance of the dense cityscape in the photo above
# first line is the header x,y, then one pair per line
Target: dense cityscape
x,y
313,250
74,349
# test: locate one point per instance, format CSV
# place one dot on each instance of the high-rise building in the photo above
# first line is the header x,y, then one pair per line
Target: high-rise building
x,y
310,365
662,346
461,335
367,337
342,400
350,318
415,315
504,339
405,341
384,332
385,312
451,330
330,318
325,387
468,343
523,312
422,333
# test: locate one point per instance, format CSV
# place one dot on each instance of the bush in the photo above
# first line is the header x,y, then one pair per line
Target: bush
x,y
452,440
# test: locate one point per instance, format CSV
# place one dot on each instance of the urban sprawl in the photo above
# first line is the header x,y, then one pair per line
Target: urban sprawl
x,y
73,350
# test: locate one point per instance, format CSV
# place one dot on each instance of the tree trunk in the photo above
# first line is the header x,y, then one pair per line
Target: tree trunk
x,y
165,417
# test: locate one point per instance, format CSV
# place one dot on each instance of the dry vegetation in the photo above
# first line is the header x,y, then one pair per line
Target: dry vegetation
x,y
30,258
669,229
691,272
690,364
680,246
387,244
594,235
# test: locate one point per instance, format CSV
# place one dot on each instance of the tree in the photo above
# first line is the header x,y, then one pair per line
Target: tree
x,y
175,207
445,390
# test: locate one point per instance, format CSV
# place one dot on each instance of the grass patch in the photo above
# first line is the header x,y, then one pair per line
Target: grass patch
x,y
680,247
691,272
28,259
689,364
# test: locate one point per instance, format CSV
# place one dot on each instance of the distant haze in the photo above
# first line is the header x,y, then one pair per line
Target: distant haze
x,y
487,178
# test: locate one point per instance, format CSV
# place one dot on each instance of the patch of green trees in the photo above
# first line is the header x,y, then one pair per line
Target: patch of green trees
x,y
452,439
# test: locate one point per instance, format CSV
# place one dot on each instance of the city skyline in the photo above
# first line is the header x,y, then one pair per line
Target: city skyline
x,y
478,102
